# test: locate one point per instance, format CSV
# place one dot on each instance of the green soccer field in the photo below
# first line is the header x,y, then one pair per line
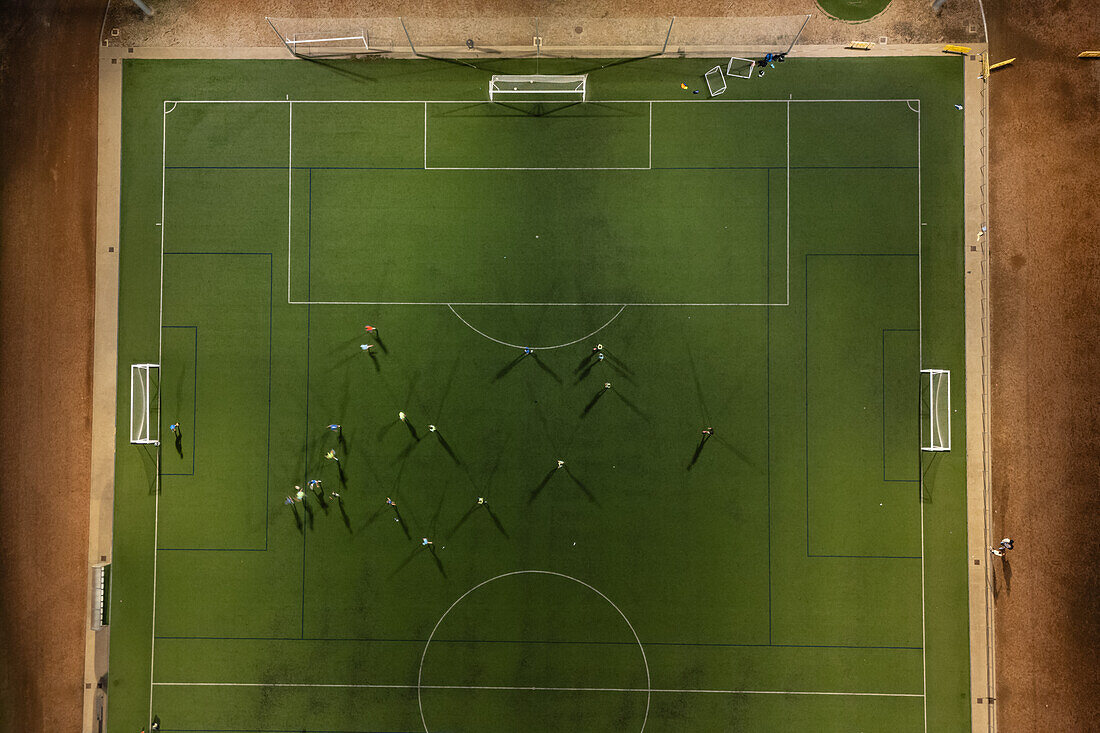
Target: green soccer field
x,y
777,264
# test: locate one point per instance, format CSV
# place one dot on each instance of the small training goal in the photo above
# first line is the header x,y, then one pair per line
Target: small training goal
x,y
538,87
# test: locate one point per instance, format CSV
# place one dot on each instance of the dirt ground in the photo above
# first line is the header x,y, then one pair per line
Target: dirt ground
x,y
1044,235
1045,285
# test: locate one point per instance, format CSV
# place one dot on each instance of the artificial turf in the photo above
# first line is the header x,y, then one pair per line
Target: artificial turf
x,y
789,266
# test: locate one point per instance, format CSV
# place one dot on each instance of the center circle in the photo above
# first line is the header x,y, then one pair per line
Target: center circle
x,y
550,610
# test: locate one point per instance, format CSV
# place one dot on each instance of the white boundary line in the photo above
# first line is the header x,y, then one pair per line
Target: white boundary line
x,y
482,101
165,111
920,360
529,688
289,193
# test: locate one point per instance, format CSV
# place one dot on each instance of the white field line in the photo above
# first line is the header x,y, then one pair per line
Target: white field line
x,y
531,688
788,227
165,110
482,101
607,305
920,360
289,192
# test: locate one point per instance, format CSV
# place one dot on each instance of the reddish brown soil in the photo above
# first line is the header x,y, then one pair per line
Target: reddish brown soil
x,y
47,225
1045,239
1045,244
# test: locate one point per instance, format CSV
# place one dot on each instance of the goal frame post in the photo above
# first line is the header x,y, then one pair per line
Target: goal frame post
x,y
545,86
144,407
938,439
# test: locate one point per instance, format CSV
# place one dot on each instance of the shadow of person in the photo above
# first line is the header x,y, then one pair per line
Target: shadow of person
x,y
542,485
447,447
438,562
309,513
496,521
592,402
412,431
179,443
381,343
1007,573
343,512
546,368
508,367
343,476
374,360
580,484
698,452
297,516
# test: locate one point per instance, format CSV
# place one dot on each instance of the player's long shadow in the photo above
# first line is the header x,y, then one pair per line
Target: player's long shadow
x,y
1006,573
374,360
580,484
592,403
465,518
730,447
447,447
496,521
542,485
543,365
309,513
413,555
587,370
297,517
508,367
698,452
634,408
321,501
619,364
412,431
342,476
381,343
343,513
179,443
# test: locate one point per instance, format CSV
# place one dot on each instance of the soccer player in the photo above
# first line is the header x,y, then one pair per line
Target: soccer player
x,y
331,455
707,432
401,416
175,428
425,542
391,502
370,329
431,428
366,347
481,501
607,385
299,495
334,427
561,464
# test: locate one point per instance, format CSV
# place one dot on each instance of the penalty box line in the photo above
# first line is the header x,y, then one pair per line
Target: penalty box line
x,y
535,688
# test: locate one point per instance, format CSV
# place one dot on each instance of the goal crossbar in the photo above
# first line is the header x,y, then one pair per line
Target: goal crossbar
x,y
570,86
937,438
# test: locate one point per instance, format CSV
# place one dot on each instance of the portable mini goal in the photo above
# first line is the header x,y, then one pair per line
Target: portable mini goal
x,y
740,68
938,399
716,81
541,87
144,407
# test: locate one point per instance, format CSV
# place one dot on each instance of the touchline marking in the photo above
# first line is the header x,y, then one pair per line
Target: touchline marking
x,y
606,305
920,365
534,688
482,101
536,348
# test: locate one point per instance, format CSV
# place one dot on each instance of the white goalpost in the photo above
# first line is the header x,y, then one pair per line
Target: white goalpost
x,y
539,87
144,415
740,68
938,398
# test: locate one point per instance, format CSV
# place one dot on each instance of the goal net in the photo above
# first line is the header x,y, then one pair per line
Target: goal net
x,y
740,68
936,396
144,407
318,38
538,87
